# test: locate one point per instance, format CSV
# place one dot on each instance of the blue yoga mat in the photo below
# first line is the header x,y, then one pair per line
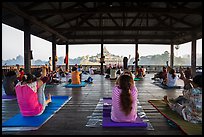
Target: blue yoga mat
x,y
8,97
19,122
83,84
107,122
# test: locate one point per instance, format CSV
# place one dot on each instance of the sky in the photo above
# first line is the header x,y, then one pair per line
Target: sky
x,y
12,46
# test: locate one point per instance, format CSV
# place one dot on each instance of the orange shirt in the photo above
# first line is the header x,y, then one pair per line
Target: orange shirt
x,y
76,77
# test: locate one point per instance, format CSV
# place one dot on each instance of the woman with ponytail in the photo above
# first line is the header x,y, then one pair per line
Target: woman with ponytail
x,y
30,95
124,100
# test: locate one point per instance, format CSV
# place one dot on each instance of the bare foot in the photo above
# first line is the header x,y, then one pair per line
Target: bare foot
x,y
49,98
166,99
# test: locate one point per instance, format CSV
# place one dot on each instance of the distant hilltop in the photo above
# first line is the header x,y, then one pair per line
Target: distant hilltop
x,y
84,60
158,59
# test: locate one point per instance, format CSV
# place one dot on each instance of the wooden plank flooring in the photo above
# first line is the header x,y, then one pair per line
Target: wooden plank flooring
x,y
72,118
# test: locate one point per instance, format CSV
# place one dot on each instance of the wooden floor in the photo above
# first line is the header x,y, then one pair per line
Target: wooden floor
x,y
72,118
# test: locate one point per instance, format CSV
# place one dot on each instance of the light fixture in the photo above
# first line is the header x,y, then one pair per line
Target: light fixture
x,y
177,47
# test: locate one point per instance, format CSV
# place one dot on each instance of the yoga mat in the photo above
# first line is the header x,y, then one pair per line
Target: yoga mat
x,y
137,79
187,127
8,97
22,123
107,122
83,84
166,87
49,86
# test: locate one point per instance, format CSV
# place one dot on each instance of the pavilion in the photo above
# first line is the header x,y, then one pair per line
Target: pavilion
x,y
66,23
69,23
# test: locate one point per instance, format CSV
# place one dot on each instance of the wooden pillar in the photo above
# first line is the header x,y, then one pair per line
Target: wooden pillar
x,y
53,52
136,55
193,57
67,57
27,47
172,56
101,60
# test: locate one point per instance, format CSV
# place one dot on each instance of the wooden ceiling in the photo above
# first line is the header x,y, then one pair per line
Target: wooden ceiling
x,y
108,22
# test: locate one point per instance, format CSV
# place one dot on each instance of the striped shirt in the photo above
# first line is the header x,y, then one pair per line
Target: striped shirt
x,y
117,114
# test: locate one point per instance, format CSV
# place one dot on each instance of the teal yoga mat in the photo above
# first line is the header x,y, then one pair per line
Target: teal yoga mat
x,y
83,84
138,79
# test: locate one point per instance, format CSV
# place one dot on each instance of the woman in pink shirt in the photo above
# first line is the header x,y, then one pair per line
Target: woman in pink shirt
x,y
124,100
30,95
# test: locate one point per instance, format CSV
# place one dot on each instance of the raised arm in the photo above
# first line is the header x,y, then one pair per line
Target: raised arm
x,y
167,66
183,77
42,81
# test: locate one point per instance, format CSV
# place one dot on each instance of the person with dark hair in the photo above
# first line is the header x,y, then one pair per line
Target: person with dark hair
x,y
108,71
189,105
21,71
162,75
30,95
17,70
138,72
37,72
9,82
75,76
188,73
124,100
50,65
171,79
125,63
143,70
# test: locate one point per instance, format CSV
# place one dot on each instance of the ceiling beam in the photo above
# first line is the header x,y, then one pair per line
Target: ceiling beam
x,y
132,28
130,9
114,42
32,19
120,36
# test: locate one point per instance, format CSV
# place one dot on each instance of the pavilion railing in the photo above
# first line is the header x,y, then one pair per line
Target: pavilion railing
x,y
149,68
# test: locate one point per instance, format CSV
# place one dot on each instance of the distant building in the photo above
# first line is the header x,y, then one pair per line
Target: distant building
x,y
109,58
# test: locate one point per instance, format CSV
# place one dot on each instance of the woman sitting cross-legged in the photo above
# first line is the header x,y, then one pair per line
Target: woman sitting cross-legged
x,y
171,79
189,105
124,100
9,82
75,76
30,95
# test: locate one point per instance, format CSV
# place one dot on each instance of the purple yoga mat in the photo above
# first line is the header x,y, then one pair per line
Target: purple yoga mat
x,y
107,122
8,97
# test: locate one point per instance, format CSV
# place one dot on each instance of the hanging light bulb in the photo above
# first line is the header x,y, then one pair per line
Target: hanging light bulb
x,y
177,47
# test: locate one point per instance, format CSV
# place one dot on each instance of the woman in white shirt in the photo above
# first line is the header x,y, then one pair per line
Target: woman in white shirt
x,y
172,78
